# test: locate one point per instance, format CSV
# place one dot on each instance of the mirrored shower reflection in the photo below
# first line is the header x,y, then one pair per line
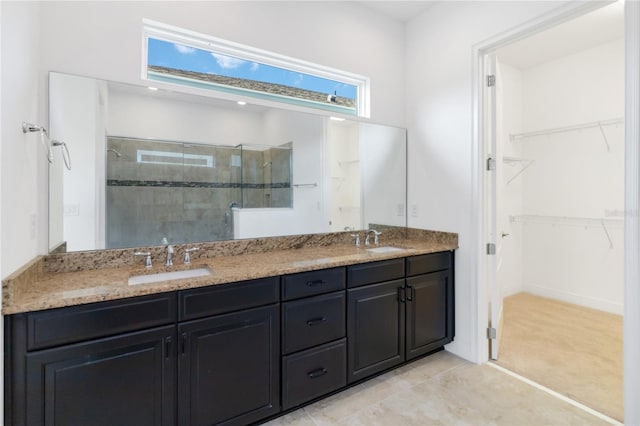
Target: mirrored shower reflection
x,y
185,192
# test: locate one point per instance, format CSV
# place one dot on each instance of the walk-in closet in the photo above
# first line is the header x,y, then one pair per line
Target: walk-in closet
x,y
560,108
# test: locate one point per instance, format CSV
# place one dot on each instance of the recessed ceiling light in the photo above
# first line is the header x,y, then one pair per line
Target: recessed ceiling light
x,y
336,118
152,88
242,103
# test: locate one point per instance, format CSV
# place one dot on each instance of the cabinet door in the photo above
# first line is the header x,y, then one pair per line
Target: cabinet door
x,y
125,380
375,330
229,368
427,300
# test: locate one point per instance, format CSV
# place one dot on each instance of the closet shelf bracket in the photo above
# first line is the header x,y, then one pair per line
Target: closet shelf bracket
x,y
524,165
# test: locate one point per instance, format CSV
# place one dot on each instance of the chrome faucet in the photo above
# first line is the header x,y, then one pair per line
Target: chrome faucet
x,y
375,237
187,256
169,261
357,238
147,255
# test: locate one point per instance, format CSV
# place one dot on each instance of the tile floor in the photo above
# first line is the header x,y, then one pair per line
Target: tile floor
x,y
441,389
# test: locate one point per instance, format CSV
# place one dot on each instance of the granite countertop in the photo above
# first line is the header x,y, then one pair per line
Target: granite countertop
x,y
33,288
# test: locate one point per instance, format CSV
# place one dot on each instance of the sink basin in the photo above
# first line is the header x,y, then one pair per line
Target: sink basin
x,y
386,249
168,276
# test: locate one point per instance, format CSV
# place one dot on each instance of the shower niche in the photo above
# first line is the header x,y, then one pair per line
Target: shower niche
x,y
187,191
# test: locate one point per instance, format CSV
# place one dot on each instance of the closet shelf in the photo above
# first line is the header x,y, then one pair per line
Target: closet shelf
x,y
590,125
587,222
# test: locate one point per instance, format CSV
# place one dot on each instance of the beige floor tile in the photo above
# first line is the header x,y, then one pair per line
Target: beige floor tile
x,y
441,389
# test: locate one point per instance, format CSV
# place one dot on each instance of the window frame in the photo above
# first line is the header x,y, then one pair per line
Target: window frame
x,y
172,34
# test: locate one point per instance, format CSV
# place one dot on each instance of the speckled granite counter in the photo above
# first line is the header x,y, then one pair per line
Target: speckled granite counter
x,y
77,278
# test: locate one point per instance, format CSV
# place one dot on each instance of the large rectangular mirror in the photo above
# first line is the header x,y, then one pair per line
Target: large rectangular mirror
x,y
153,164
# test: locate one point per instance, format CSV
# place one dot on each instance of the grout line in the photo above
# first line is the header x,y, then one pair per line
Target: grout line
x,y
551,392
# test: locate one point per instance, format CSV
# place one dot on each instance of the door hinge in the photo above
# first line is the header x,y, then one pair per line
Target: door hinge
x,y
491,80
491,248
491,164
491,333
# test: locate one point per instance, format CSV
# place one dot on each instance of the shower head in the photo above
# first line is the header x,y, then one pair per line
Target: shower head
x,y
115,152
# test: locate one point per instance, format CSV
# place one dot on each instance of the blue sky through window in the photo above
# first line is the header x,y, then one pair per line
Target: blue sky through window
x,y
172,55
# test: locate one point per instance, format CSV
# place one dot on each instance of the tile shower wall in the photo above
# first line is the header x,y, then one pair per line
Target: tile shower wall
x,y
182,191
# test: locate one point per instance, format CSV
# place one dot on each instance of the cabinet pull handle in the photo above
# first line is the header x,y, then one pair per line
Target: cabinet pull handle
x,y
410,294
317,373
183,344
315,283
167,348
401,295
316,321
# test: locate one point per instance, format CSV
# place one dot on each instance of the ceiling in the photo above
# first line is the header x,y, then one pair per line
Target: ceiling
x,y
401,11
600,26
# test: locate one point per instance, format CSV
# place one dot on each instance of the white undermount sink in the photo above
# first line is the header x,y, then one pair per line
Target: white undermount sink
x,y
386,249
169,276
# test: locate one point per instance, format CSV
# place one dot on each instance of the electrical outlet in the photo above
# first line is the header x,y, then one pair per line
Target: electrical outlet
x,y
33,226
400,211
415,210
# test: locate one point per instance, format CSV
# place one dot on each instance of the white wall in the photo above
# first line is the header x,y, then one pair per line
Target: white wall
x,y
438,89
575,175
23,164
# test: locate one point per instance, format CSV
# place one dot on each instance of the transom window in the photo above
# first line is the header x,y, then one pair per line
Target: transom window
x,y
182,57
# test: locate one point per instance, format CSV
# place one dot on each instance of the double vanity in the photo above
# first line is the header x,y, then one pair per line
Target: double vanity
x,y
270,325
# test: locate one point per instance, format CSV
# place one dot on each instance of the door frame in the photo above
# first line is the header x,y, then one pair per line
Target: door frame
x,y
479,211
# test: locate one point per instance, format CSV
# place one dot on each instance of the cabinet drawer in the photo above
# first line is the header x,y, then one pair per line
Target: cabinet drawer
x,y
313,373
375,272
305,284
220,299
67,325
426,263
312,321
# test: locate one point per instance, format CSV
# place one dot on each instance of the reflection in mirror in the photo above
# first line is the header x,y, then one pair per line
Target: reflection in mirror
x,y
186,192
156,164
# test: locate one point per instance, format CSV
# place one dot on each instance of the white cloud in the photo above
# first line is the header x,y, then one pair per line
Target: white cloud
x,y
298,80
254,67
227,61
186,50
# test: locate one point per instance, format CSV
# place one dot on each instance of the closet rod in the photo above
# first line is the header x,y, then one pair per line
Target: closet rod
x,y
591,125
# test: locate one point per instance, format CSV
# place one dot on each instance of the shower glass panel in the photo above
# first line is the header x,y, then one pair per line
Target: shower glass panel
x,y
266,176
186,192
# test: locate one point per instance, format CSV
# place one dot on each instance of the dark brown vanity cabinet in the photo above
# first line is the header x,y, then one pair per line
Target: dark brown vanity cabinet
x,y
99,364
314,349
229,363
408,314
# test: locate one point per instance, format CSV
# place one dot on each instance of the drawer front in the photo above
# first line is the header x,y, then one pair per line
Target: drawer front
x,y
67,325
427,263
224,298
375,272
312,321
305,284
313,373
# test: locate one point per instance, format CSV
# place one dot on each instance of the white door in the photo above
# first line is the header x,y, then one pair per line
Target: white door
x,y
494,181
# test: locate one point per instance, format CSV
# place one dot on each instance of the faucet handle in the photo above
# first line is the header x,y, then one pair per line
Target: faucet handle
x,y
357,238
187,256
147,263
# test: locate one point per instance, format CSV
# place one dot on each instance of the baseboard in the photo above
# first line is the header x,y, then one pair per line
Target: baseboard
x,y
576,299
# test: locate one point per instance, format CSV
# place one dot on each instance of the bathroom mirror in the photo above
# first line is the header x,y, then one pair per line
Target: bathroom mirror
x,y
150,164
